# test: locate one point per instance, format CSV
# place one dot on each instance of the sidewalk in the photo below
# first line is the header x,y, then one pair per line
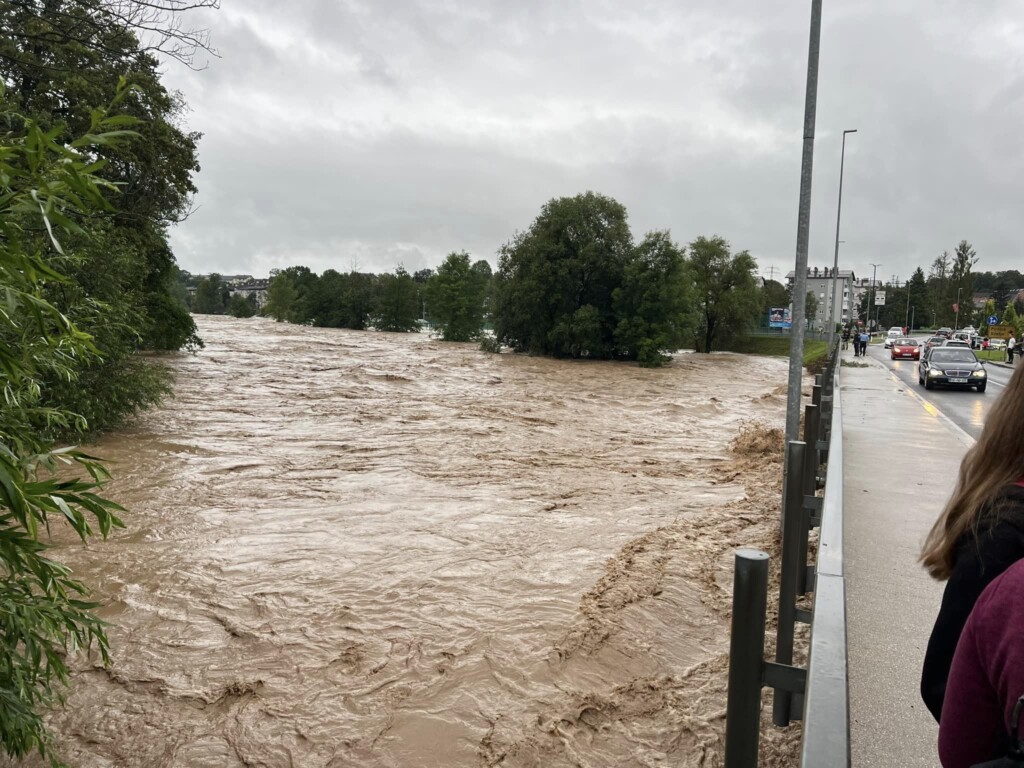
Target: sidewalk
x,y
901,461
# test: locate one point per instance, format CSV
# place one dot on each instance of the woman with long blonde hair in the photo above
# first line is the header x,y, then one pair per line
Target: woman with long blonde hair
x,y
979,534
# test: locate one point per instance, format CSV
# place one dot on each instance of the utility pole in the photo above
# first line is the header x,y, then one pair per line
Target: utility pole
x,y
956,321
796,332
835,262
874,295
907,313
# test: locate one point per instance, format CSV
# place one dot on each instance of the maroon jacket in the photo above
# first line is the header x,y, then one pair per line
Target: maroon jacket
x,y
987,676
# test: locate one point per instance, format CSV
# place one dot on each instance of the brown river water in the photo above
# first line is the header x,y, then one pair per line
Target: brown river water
x,y
365,549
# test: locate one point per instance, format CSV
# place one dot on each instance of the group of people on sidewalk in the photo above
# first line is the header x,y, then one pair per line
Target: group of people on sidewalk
x,y
973,676
860,341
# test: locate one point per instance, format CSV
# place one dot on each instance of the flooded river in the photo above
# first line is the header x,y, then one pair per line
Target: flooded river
x,y
365,549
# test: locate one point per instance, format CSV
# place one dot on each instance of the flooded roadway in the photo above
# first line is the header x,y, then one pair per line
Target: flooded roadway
x,y
364,549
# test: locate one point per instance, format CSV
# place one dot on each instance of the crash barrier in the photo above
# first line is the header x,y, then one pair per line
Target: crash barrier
x,y
818,694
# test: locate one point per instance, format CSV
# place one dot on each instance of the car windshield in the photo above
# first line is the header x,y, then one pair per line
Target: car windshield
x,y
953,356
906,342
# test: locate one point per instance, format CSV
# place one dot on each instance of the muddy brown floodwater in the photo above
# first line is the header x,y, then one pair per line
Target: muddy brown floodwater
x,y
369,549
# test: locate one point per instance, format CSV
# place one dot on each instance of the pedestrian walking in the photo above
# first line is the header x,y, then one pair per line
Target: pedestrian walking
x,y
864,338
979,534
982,709
1010,348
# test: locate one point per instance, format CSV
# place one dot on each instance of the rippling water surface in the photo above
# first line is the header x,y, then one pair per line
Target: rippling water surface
x,y
368,549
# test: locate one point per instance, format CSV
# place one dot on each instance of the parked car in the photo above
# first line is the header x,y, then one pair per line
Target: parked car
x,y
997,343
952,367
906,349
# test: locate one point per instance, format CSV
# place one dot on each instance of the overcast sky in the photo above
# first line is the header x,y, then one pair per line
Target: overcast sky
x,y
368,134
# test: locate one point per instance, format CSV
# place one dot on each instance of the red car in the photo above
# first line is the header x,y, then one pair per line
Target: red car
x,y
906,349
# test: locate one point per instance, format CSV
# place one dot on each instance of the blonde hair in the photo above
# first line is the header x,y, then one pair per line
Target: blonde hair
x,y
994,462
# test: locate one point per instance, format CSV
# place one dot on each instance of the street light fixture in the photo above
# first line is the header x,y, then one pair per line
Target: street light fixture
x,y
835,262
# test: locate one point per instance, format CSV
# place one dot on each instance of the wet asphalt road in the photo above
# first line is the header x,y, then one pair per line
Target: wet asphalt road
x,y
965,408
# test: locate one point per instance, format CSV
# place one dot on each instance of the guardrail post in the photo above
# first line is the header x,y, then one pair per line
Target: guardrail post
x,y
809,486
793,514
746,659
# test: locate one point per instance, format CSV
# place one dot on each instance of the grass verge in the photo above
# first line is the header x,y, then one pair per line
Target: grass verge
x,y
815,352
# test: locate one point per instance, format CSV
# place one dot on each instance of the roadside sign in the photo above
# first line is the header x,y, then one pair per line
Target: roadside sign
x,y
993,320
880,299
1000,332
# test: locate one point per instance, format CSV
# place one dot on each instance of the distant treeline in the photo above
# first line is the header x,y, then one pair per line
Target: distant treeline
x,y
575,284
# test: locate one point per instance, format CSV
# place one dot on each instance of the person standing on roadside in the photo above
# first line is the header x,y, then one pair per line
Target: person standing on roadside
x,y
979,534
864,338
1010,348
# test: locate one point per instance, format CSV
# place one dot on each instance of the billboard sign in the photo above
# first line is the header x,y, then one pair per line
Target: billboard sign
x,y
778,317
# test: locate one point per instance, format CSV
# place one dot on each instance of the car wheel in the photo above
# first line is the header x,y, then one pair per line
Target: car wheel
x,y
981,387
928,384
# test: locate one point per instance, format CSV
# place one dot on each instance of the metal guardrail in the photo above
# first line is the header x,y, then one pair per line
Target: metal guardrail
x,y
819,693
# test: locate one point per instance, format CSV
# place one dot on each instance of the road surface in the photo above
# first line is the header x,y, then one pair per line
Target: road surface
x,y
965,408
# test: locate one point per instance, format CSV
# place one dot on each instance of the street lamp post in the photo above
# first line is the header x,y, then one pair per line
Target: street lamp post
x,y
911,328
874,295
835,262
956,318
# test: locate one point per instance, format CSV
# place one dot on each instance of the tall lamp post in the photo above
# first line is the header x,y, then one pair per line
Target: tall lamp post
x,y
874,292
835,261
956,319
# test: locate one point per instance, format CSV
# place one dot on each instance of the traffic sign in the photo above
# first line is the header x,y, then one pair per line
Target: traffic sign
x,y
880,299
993,320
1000,331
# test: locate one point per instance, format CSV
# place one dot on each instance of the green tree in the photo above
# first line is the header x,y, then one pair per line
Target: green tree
x,y
456,294
60,60
212,296
397,307
918,289
556,280
241,306
281,295
810,307
773,294
46,180
653,304
726,294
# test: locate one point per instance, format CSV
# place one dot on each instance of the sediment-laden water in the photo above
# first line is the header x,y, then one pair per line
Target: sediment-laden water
x,y
368,549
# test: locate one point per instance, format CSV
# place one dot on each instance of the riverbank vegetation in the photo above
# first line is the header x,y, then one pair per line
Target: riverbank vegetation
x,y
576,284
93,169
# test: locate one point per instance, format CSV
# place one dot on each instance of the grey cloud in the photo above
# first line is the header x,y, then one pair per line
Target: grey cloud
x,y
402,130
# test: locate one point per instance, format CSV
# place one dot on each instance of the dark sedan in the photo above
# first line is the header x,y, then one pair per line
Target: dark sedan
x,y
952,367
906,349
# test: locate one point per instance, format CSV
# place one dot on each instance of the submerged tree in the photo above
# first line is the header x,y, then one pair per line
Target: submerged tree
x,y
456,295
397,305
654,303
556,280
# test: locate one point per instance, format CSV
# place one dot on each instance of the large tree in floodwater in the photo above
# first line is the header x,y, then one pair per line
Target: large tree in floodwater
x,y
725,290
556,280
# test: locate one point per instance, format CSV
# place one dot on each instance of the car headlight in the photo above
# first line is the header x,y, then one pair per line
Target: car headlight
x,y
979,374
934,372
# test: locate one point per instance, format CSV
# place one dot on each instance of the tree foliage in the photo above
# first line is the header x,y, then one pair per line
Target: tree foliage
x,y
46,183
726,292
397,308
456,294
556,280
654,302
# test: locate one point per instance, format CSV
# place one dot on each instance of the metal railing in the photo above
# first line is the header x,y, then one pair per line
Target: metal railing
x,y
818,694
